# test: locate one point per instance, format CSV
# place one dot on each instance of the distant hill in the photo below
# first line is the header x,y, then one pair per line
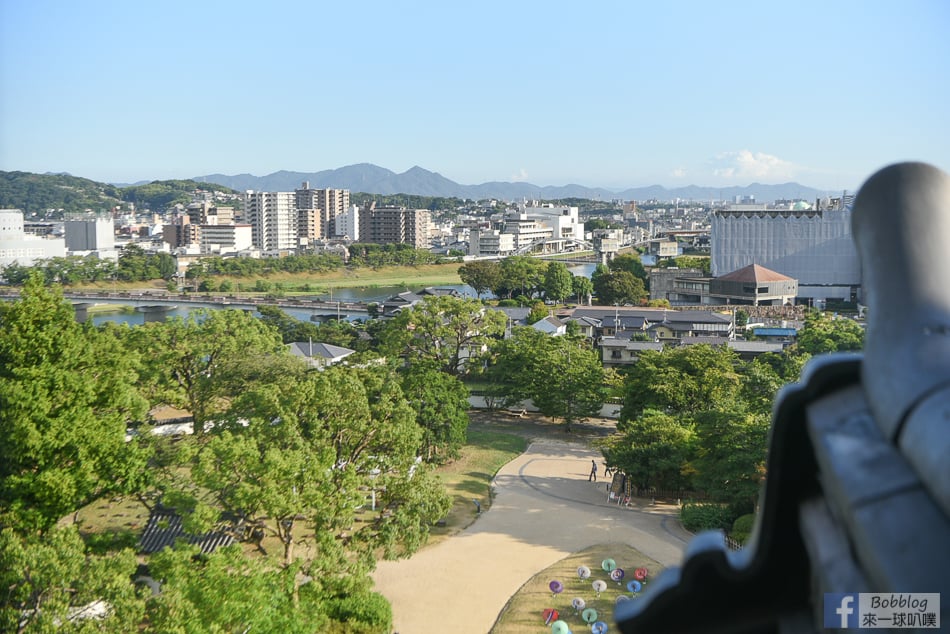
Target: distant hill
x,y
372,179
52,195
36,194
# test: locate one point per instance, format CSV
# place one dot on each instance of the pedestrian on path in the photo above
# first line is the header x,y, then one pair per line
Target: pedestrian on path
x,y
593,471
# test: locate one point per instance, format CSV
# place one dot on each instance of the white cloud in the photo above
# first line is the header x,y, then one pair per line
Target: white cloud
x,y
745,166
520,177
678,172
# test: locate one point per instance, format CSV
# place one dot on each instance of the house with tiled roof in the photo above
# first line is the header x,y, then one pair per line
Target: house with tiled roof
x,y
550,326
319,355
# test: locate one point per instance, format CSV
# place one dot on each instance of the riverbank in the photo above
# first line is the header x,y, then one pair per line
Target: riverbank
x,y
410,277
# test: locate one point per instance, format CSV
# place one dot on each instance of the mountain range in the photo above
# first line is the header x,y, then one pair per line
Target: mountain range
x,y
372,179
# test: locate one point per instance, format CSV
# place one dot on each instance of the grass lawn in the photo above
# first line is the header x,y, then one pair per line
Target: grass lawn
x,y
413,276
523,614
470,476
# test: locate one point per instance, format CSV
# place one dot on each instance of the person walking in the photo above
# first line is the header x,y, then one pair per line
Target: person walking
x,y
593,471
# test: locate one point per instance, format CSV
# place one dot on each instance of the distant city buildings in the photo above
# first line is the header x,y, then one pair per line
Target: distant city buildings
x,y
22,248
531,227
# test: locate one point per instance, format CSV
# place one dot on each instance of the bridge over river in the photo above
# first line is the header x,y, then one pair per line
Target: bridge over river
x,y
156,304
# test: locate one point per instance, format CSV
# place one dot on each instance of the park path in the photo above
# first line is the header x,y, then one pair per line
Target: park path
x,y
544,509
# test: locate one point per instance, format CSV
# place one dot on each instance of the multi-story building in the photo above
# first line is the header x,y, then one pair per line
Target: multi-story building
x,y
19,247
207,213
181,232
393,225
230,238
810,244
535,227
309,226
273,218
321,206
490,242
89,232
347,225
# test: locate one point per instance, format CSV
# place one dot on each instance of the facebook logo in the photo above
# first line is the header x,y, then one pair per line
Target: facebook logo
x,y
841,610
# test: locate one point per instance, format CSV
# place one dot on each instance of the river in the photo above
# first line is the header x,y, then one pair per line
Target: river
x,y
345,294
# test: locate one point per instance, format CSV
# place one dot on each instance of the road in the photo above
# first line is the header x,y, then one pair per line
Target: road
x,y
544,509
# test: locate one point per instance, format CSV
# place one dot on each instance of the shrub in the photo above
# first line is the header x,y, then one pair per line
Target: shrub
x,y
367,612
701,516
742,528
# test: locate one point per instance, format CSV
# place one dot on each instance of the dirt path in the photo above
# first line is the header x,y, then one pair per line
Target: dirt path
x,y
544,509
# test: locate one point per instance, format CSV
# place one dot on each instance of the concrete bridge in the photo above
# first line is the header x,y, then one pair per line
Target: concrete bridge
x,y
156,304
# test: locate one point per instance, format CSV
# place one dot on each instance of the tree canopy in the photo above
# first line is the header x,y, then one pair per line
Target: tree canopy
x,y
696,417
825,333
449,333
562,376
67,393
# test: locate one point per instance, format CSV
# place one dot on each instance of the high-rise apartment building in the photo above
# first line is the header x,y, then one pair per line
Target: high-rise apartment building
x,y
273,218
318,210
392,225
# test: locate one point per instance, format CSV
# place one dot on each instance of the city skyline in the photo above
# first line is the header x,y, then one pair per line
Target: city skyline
x,y
615,96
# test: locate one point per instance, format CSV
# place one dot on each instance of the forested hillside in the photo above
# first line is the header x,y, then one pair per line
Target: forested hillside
x,y
52,195
36,194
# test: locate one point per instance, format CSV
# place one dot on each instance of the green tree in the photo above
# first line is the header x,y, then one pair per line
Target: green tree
x,y
520,274
538,312
582,288
440,401
557,282
230,592
682,380
823,333
184,357
629,262
342,433
66,395
482,275
760,384
730,461
654,450
619,287
450,333
562,376
47,579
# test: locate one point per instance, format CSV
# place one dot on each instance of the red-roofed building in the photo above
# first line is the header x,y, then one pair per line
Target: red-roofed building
x,y
755,285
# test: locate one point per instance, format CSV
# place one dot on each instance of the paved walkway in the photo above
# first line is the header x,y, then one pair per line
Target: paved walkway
x,y
544,510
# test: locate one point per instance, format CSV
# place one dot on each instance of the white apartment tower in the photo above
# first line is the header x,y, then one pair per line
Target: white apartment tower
x,y
273,218
348,225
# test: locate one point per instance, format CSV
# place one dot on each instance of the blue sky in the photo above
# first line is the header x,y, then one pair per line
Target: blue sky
x,y
612,94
